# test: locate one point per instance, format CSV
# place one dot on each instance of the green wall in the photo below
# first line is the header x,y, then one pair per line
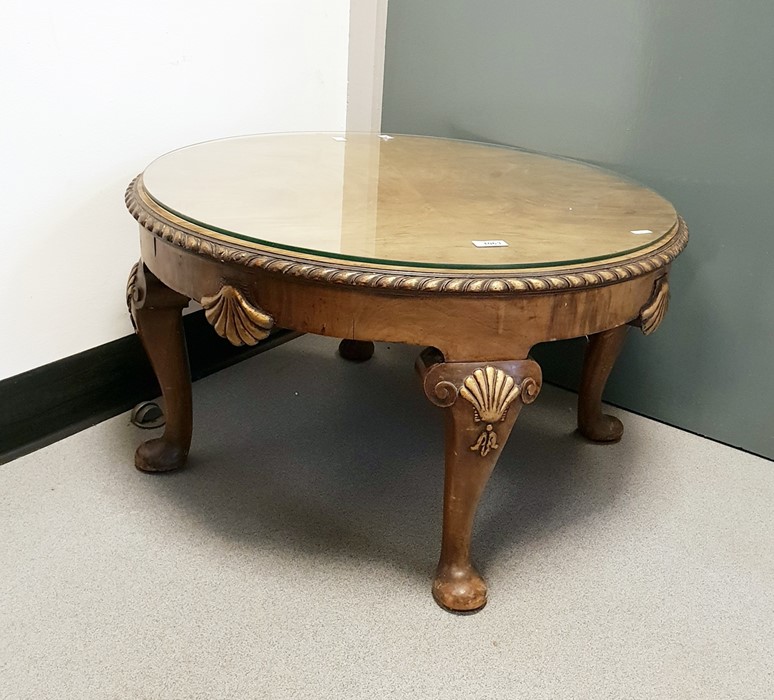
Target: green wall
x,y
680,96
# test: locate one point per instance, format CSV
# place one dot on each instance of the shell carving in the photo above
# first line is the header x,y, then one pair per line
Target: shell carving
x,y
654,311
491,391
131,285
235,318
135,292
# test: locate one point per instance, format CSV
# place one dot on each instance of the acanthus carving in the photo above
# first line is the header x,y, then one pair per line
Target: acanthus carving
x,y
235,318
185,235
654,311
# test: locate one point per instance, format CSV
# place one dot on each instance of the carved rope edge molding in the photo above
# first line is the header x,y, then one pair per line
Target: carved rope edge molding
x,y
365,277
235,318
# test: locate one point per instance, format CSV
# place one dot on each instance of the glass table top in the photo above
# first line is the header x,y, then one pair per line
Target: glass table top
x,y
408,200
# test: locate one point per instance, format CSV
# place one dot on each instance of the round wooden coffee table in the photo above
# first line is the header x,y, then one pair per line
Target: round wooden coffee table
x,y
478,252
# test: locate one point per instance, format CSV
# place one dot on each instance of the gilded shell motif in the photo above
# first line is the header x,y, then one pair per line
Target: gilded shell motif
x,y
654,311
235,318
491,391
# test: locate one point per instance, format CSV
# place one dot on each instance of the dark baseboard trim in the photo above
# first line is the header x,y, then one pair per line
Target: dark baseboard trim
x,y
51,402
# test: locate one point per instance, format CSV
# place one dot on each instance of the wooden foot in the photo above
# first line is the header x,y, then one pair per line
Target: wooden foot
x,y
157,314
601,353
482,401
356,350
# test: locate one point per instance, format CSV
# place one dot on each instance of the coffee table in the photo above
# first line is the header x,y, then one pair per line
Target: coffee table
x,y
478,252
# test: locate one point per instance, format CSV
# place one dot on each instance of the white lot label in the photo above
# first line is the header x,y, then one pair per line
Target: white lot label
x,y
489,244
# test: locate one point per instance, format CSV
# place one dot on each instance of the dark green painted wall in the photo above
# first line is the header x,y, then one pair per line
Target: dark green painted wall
x,y
680,96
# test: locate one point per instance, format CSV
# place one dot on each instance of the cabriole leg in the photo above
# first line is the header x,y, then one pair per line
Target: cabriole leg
x,y
157,314
601,354
482,401
356,350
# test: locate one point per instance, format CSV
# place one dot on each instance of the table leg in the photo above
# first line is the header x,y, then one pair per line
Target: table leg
x,y
483,401
356,350
601,354
157,314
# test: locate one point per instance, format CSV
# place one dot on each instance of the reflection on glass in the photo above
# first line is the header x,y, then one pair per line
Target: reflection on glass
x,y
408,200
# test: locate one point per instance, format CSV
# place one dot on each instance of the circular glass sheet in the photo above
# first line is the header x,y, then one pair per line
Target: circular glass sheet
x,y
408,200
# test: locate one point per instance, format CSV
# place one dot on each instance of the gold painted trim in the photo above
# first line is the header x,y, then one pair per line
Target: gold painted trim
x,y
235,318
491,391
654,311
132,287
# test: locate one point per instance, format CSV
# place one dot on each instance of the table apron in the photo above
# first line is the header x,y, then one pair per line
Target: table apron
x,y
463,326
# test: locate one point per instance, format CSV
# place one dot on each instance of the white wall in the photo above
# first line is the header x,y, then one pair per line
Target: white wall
x,y
367,33
91,92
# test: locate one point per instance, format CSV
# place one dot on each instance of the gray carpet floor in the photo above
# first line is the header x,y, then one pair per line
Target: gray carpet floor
x,y
293,558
